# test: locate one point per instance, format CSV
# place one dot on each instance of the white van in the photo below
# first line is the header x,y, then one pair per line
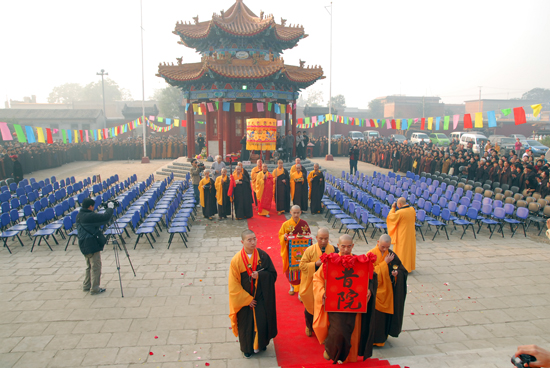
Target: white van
x,y
354,134
456,135
371,134
478,141
420,138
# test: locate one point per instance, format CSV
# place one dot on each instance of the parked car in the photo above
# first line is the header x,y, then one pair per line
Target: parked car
x,y
478,141
456,135
492,138
440,139
520,136
354,134
337,136
537,147
397,138
371,134
505,143
420,138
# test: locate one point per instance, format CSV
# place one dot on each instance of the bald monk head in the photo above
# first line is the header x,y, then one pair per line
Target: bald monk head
x,y
322,237
401,202
345,244
264,168
280,164
259,164
249,241
384,243
295,212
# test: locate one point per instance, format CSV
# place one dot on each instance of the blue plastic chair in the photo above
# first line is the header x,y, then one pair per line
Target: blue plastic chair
x,y
521,216
487,210
471,213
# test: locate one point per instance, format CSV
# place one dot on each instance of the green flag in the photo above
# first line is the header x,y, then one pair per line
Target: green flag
x,y
383,122
446,123
217,105
64,135
269,106
20,135
506,112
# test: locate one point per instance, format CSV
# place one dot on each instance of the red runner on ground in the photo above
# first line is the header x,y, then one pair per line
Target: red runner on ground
x,y
293,348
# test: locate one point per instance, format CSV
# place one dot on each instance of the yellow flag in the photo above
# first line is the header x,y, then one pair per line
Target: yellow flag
x,y
76,136
376,123
176,122
536,109
195,108
99,134
398,124
283,109
40,134
237,107
430,121
479,120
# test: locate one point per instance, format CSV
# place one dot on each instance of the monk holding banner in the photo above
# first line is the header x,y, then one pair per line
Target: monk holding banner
x,y
293,227
401,228
281,188
316,181
264,191
310,263
391,293
252,307
344,304
298,188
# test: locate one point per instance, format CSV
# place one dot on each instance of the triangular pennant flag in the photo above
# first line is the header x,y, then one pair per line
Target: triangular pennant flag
x,y
506,112
404,124
492,119
479,120
446,123
383,123
437,120
467,121
536,109
422,123
376,123
393,124
519,116
455,121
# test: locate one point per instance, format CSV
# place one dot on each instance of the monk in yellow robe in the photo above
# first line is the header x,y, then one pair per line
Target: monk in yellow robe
x,y
310,263
224,202
298,161
345,335
264,191
401,228
253,177
294,226
299,192
391,292
207,191
252,308
316,185
281,188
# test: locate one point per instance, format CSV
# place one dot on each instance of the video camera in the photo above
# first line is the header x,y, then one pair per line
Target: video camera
x,y
105,205
522,359
200,165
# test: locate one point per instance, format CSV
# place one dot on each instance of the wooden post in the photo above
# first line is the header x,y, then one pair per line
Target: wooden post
x,y
294,122
190,132
221,129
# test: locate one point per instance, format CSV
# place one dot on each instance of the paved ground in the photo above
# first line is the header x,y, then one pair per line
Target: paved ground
x,y
470,302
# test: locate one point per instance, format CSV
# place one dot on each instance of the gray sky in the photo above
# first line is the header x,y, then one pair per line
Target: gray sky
x,y
380,48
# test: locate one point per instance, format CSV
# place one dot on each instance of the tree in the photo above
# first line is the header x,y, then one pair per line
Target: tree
x,y
65,93
169,99
314,98
376,108
338,102
537,94
93,92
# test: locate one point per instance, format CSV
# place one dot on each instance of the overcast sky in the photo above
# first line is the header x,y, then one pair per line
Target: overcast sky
x,y
444,48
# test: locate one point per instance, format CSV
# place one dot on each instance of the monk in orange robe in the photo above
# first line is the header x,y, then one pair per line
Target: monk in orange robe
x,y
299,192
309,264
401,228
294,226
298,161
345,335
252,308
391,292
264,191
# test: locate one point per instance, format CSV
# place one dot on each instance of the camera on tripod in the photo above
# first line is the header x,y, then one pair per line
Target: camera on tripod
x,y
105,205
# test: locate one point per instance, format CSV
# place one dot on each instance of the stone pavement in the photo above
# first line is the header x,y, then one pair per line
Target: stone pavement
x,y
470,302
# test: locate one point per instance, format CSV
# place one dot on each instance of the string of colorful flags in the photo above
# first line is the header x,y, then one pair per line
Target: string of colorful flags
x,y
429,123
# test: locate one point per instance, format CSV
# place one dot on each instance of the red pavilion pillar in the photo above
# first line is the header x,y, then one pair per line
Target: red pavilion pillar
x,y
294,122
190,133
221,129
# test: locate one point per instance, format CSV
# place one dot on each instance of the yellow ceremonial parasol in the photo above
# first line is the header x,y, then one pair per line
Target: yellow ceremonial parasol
x,y
261,134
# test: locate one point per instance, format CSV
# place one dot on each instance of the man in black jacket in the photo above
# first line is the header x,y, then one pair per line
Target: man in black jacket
x,y
17,169
88,225
353,157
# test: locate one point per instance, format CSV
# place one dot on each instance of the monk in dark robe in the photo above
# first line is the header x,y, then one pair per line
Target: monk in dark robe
x,y
207,191
391,292
252,307
224,202
299,187
345,335
242,194
282,188
316,181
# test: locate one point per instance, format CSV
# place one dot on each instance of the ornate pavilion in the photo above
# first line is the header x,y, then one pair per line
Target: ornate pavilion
x,y
241,65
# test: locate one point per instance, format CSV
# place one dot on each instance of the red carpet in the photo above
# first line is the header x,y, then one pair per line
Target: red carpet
x,y
293,348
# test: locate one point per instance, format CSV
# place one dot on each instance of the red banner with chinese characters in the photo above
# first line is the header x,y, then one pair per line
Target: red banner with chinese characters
x,y
347,282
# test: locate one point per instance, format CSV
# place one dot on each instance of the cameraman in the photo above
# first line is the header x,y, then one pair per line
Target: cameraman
x,y
91,242
196,178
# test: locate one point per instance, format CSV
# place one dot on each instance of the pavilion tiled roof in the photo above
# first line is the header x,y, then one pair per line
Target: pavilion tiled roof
x,y
239,20
239,69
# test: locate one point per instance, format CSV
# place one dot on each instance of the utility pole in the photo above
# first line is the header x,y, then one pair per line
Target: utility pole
x,y
329,156
144,159
103,73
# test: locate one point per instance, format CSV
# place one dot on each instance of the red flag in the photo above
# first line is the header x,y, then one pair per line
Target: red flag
x,y
300,121
519,115
393,123
231,186
372,123
422,122
183,123
249,107
81,135
49,135
468,121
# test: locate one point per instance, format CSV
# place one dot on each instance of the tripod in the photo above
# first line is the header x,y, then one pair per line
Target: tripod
x,y
116,247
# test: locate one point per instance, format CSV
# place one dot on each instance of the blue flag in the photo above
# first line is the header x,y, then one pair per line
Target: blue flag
x,y
437,120
30,134
492,119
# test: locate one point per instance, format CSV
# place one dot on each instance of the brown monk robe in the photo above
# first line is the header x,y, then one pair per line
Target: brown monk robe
x,y
309,264
252,307
391,292
345,335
